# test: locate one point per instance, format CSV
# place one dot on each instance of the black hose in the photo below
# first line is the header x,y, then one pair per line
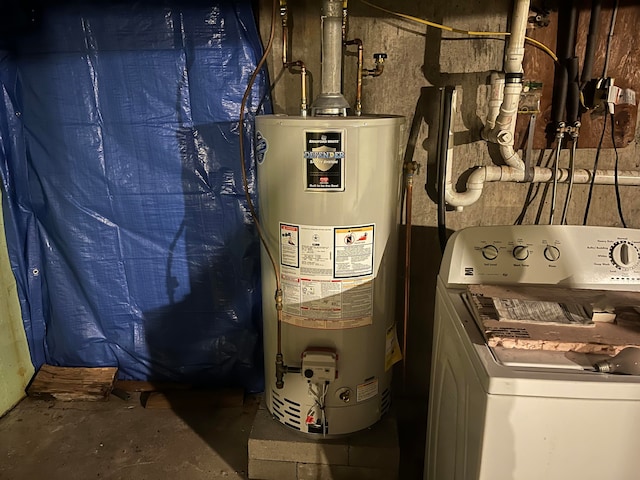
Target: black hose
x,y
560,84
616,171
567,17
595,171
446,100
567,20
592,43
573,91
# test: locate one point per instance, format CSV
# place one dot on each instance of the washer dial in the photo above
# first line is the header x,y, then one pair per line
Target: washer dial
x,y
521,252
624,255
551,253
490,252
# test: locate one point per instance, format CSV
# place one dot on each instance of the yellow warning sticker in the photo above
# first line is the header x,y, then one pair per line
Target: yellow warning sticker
x,y
392,354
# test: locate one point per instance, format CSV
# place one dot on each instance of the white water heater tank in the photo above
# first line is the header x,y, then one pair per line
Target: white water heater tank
x,y
329,196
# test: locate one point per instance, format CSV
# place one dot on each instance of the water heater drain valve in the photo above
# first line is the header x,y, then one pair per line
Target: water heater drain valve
x,y
320,365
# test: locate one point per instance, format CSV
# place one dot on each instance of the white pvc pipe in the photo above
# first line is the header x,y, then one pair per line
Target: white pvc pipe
x,y
496,93
500,129
503,129
493,173
515,49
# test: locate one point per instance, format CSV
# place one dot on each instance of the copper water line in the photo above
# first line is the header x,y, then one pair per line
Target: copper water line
x,y
303,86
284,15
281,369
377,71
345,24
358,42
410,169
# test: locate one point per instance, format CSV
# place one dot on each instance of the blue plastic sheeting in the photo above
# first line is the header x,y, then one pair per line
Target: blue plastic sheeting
x,y
128,229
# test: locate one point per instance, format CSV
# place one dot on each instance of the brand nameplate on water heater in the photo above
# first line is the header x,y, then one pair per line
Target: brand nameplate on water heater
x,y
323,156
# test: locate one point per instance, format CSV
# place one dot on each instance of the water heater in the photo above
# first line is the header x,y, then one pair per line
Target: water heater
x,y
329,190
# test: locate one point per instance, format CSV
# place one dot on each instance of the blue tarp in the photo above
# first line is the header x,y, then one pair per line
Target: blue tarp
x,y
127,226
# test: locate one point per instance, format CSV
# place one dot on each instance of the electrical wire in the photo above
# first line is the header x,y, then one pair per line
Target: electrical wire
x,y
324,399
595,169
615,149
319,401
612,25
534,189
545,189
447,28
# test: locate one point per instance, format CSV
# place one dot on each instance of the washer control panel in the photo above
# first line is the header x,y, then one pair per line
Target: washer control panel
x,y
573,256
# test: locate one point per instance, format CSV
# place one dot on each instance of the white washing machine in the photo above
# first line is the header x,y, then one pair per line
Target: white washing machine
x,y
509,414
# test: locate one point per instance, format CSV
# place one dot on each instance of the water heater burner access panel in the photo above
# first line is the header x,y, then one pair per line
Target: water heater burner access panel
x,y
571,256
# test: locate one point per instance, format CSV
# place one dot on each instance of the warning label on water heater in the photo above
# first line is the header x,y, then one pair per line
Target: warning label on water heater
x,y
324,159
327,275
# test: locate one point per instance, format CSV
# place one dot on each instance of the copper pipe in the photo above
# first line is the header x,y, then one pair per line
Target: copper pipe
x,y
284,14
303,86
303,90
410,168
358,42
245,185
285,31
345,21
377,71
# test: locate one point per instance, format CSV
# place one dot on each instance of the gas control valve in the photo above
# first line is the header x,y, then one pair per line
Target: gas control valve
x,y
320,365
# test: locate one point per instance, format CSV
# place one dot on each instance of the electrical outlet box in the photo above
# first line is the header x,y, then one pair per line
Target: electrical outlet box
x,y
320,365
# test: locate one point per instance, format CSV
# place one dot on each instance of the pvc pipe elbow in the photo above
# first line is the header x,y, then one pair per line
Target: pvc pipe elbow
x,y
475,184
511,157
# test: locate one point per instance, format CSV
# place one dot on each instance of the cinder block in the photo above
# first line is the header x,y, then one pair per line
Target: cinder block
x,y
269,440
372,454
343,472
272,470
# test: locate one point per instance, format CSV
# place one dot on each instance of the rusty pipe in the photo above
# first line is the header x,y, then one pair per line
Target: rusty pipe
x,y
358,42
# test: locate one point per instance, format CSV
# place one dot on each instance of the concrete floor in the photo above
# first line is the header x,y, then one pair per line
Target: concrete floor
x,y
118,440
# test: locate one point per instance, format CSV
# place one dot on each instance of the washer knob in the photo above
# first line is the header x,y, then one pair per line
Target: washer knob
x,y
520,252
490,252
624,255
551,253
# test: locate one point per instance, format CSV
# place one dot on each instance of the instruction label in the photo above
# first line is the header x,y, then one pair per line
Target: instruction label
x,y
367,390
321,289
289,245
354,251
324,158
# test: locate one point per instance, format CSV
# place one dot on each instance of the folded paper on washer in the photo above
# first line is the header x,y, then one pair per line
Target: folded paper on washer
x,y
514,310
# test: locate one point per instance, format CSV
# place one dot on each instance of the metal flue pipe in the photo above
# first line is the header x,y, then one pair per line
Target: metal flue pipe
x,y
331,46
331,101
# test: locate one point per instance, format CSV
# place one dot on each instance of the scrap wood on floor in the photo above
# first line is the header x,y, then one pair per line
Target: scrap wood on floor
x,y
73,383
